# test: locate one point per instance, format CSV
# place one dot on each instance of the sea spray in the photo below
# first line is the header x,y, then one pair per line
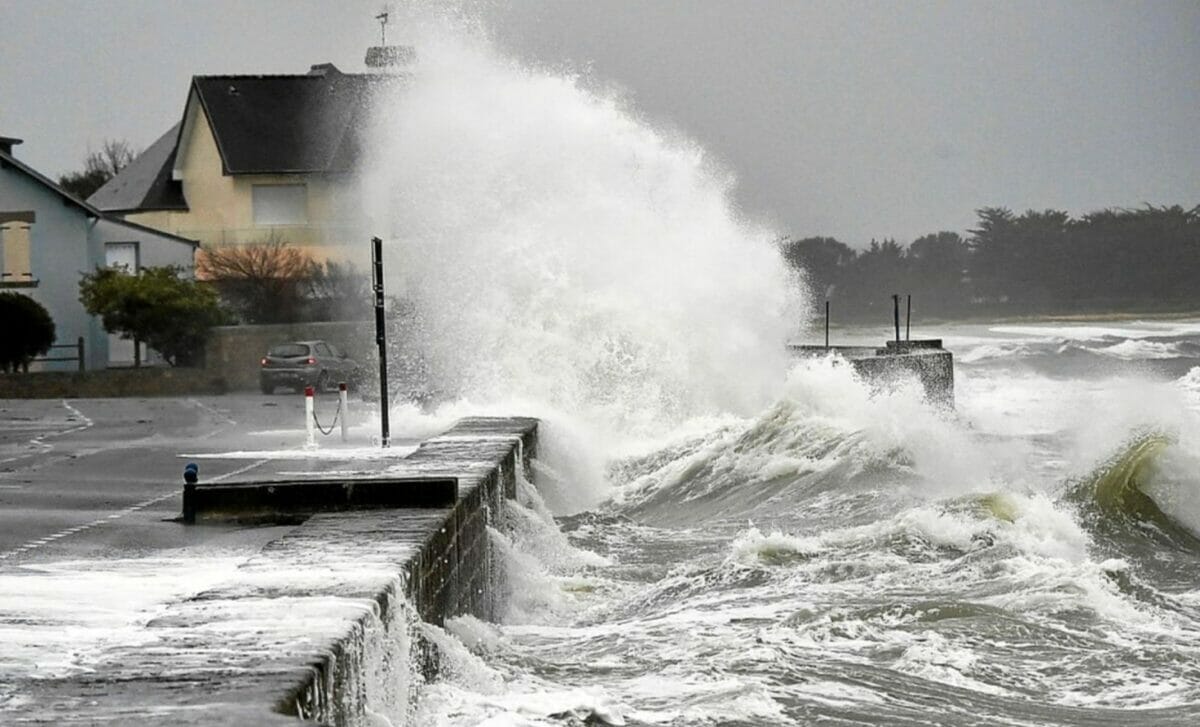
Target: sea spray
x,y
564,255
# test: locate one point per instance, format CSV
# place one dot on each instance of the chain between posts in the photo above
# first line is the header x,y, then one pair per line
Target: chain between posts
x,y
336,415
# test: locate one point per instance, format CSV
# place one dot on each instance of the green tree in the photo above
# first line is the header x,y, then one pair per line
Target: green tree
x,y
98,168
28,331
158,306
937,265
877,273
824,260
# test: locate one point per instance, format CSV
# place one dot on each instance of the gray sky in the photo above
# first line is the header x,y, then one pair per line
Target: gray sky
x,y
852,119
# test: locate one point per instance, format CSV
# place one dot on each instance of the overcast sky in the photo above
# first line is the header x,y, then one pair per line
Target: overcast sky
x,y
851,119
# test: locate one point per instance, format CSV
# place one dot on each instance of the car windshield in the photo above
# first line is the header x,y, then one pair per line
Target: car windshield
x,y
288,350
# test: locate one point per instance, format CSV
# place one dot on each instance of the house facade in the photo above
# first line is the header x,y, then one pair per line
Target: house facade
x,y
49,239
256,159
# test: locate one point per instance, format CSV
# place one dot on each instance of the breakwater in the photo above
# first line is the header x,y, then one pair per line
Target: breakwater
x,y
924,360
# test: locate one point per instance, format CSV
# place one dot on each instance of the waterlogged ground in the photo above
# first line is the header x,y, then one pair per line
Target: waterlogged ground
x,y
849,558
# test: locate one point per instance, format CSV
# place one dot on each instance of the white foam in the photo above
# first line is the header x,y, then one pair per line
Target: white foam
x,y
1135,350
1087,332
561,252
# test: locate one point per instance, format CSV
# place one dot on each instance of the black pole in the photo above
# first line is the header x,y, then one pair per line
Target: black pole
x,y
896,315
908,320
380,337
826,324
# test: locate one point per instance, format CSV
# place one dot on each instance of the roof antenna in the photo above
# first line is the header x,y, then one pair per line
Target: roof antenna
x,y
382,18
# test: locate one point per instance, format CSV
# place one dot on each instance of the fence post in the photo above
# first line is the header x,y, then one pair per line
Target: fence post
x,y
79,352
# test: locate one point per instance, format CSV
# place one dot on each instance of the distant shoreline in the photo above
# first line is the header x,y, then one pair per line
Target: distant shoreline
x,y
928,321
1073,317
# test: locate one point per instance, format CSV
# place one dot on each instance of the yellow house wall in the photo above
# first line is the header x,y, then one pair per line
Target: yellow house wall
x,y
220,206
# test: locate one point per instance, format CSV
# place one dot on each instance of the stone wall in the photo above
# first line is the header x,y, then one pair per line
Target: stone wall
x,y
453,572
234,352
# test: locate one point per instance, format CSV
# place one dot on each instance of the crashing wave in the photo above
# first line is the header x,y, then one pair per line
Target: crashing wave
x,y
1119,492
1139,349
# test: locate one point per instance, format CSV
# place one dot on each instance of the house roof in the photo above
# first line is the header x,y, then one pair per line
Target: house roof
x,y
145,184
276,124
288,123
7,161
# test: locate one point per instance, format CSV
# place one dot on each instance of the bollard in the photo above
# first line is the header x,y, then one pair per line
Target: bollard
x,y
343,407
308,418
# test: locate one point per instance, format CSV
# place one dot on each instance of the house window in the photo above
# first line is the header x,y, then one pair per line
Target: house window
x,y
280,204
15,229
122,255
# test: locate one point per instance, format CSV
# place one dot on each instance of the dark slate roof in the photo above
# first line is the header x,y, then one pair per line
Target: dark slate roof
x,y
7,161
145,184
288,124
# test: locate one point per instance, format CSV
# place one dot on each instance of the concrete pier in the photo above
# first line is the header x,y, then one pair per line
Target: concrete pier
x,y
925,360
323,623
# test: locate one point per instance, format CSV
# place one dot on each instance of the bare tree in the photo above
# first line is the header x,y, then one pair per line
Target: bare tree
x,y
98,168
264,282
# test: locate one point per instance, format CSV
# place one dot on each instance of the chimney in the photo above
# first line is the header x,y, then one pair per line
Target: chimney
x,y
390,56
324,69
7,143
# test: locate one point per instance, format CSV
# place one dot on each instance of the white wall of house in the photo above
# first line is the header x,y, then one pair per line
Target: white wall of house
x,y
58,253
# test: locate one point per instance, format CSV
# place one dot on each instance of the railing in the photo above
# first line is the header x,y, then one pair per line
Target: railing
x,y
77,346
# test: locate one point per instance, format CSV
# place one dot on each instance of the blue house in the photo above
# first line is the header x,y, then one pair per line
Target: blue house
x,y
50,238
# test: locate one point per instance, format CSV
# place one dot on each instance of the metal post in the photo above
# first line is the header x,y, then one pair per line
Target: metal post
x,y
826,324
344,408
908,320
311,437
380,338
79,352
896,315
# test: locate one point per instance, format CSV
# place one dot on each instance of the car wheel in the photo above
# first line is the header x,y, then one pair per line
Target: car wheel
x,y
267,388
323,381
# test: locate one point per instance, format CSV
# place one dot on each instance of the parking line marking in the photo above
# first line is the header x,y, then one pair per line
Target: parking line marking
x,y
35,544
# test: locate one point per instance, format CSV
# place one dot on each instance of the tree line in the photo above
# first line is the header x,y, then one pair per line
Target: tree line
x,y
1039,262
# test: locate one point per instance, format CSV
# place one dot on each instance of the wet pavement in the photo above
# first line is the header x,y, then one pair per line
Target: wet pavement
x,y
91,553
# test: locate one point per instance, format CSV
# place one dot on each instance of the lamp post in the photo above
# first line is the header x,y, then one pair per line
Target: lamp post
x,y
380,337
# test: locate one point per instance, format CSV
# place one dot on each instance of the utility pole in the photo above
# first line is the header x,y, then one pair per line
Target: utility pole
x,y
380,337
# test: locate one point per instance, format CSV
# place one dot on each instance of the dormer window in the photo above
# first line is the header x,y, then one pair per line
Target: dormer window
x,y
280,204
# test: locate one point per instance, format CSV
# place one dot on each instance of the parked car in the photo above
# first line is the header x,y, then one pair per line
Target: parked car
x,y
305,363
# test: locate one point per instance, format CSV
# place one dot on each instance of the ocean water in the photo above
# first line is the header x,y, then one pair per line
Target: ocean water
x,y
716,534
850,557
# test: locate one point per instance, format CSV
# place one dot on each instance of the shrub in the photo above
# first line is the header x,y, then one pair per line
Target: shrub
x,y
28,331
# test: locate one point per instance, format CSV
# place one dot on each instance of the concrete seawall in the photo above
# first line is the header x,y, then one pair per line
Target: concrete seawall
x,y
324,623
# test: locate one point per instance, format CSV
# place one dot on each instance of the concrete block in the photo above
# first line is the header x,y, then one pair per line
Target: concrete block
x,y
292,500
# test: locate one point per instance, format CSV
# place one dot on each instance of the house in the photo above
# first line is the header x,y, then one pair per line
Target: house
x,y
49,238
256,159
